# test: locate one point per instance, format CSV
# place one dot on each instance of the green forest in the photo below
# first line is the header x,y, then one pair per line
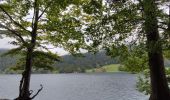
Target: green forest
x,y
133,34
68,63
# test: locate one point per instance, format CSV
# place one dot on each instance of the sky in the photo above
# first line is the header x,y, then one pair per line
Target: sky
x,y
4,44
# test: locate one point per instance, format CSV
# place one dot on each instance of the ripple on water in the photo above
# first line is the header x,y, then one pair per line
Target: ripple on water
x,y
99,86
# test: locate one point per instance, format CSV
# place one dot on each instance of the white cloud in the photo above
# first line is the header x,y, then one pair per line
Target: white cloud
x,y
4,43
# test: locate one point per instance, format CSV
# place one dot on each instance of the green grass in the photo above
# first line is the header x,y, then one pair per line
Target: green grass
x,y
112,68
107,68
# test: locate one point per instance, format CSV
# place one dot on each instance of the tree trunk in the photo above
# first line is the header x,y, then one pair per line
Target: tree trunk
x,y
159,85
25,81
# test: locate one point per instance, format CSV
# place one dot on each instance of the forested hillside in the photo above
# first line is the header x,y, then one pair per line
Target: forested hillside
x,y
6,61
89,60
69,63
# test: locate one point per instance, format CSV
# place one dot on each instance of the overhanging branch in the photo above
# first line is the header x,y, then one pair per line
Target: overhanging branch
x,y
13,32
37,92
48,5
16,23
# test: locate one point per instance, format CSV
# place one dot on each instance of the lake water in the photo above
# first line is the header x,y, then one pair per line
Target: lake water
x,y
92,86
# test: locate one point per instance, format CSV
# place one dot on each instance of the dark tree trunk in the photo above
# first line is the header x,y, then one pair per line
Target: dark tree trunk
x,y
159,85
25,81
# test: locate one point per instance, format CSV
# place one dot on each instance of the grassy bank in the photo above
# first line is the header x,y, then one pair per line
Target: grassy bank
x,y
107,68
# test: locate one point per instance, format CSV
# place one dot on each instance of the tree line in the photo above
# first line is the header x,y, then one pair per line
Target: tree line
x,y
68,64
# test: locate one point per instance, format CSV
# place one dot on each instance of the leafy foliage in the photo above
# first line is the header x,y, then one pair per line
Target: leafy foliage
x,y
117,26
143,83
136,61
35,24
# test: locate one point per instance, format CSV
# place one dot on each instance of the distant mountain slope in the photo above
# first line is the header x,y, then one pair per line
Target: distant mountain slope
x,y
89,61
6,61
69,63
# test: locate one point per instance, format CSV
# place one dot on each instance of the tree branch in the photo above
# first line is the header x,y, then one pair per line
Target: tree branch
x,y
37,92
35,23
13,32
16,23
33,20
164,23
162,28
42,12
169,19
21,83
48,5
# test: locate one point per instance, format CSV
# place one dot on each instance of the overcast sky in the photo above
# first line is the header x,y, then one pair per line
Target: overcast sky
x,y
4,44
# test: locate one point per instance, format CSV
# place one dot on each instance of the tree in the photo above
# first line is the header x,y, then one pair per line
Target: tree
x,y
159,86
66,28
136,61
12,20
24,20
117,24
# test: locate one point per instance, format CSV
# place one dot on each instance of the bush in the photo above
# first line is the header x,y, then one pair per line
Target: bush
x,y
143,83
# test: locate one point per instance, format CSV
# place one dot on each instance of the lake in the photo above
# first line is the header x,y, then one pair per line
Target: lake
x,y
88,86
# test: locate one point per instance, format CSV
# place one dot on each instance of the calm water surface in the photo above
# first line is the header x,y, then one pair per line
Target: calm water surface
x,y
98,86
